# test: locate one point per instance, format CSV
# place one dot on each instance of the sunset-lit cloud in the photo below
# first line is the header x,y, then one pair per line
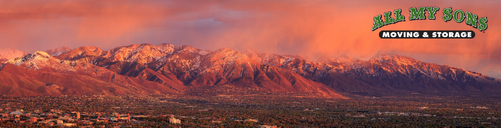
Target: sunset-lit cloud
x,y
310,28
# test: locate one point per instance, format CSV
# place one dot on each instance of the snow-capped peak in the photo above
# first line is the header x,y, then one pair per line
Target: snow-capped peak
x,y
9,54
40,55
394,58
229,56
182,48
166,48
58,51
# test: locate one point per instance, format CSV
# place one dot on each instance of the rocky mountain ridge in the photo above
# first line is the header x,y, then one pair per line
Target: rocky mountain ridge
x,y
184,67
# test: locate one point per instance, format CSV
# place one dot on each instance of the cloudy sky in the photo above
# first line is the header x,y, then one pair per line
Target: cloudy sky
x,y
310,28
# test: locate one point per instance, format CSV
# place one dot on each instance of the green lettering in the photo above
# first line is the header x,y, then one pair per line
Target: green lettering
x,y
457,18
482,24
388,19
399,17
447,14
431,12
417,15
377,22
471,19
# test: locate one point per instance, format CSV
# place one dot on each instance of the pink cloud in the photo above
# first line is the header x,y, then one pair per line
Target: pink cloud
x,y
308,28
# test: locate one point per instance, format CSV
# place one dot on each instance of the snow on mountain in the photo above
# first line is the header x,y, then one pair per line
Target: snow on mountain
x,y
34,74
7,54
41,60
166,48
395,72
194,67
135,53
58,51
187,67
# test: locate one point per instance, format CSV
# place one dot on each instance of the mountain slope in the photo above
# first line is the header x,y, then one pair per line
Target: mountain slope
x,y
197,68
166,68
7,54
42,74
390,73
58,51
384,74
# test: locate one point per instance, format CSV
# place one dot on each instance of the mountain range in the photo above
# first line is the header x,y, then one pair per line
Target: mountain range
x,y
170,69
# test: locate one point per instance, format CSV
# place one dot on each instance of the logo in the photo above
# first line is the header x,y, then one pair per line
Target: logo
x,y
449,14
